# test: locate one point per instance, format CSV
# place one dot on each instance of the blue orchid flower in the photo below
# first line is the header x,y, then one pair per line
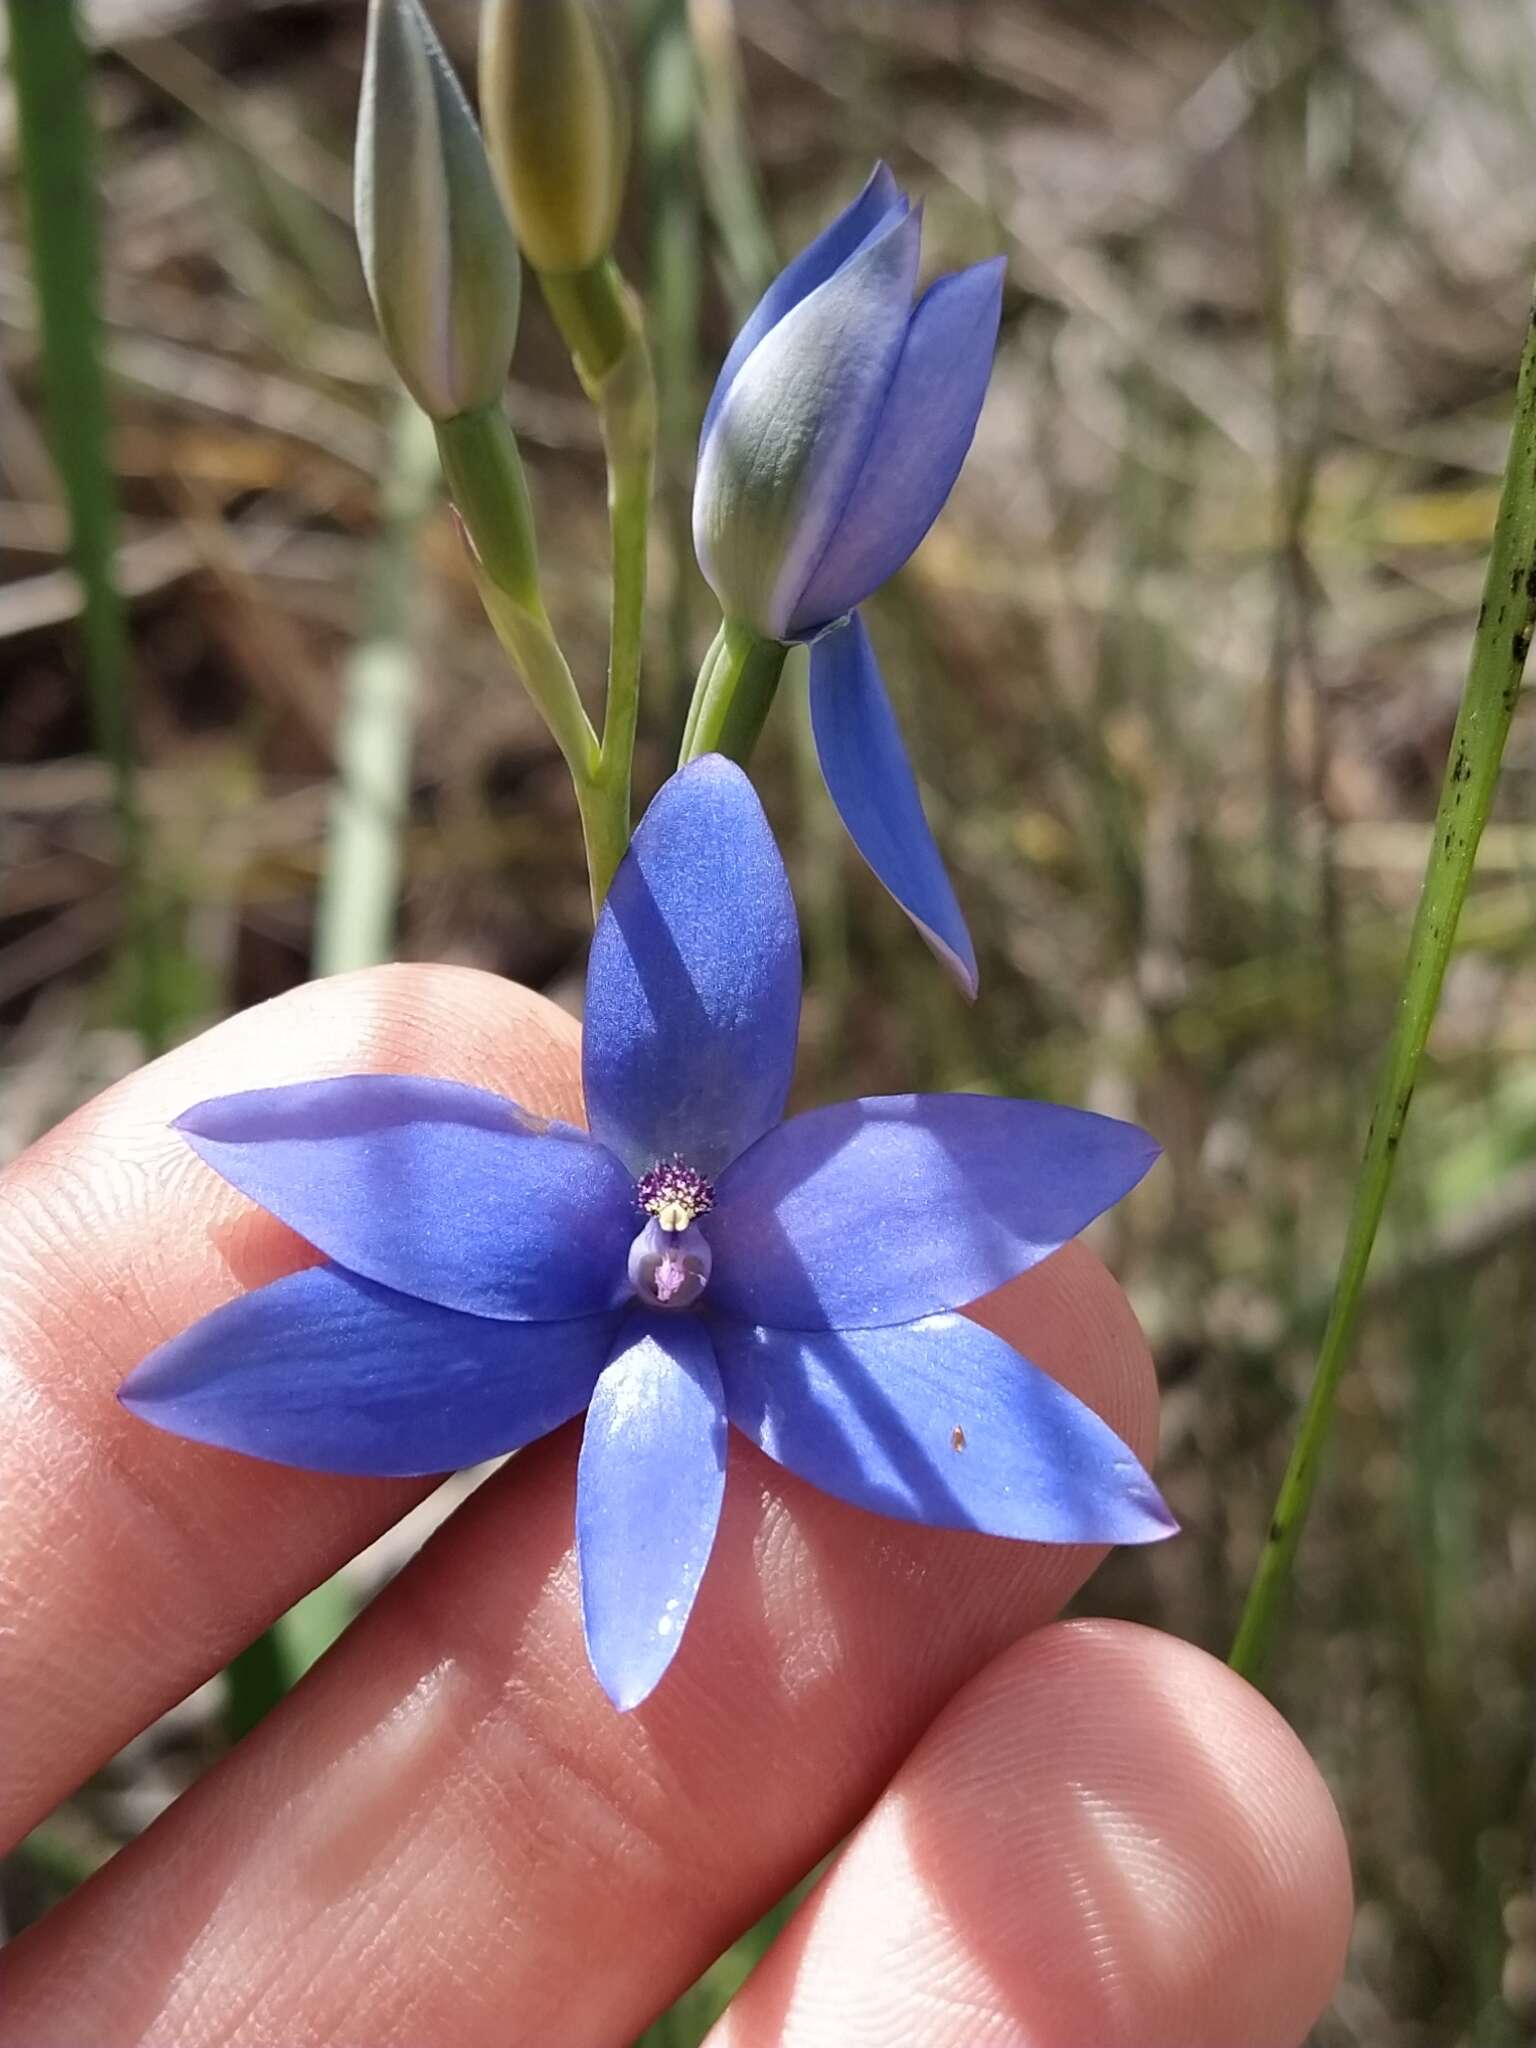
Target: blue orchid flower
x,y
834,435
693,1262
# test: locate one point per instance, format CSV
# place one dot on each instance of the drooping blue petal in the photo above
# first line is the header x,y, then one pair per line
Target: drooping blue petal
x,y
444,1192
924,431
328,1371
870,780
693,989
938,1421
813,266
886,1209
648,1493
787,445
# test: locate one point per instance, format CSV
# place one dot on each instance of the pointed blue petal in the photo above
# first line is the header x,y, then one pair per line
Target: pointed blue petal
x,y
648,1493
870,780
924,431
787,445
332,1373
938,1421
813,266
889,1208
444,1192
693,989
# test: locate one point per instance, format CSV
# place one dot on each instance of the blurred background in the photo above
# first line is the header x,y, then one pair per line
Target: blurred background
x,y
1178,664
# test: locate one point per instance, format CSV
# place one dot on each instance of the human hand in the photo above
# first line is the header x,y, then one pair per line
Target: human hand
x,y
447,1834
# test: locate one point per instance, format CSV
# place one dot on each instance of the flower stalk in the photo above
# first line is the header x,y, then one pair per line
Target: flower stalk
x,y
1497,665
736,685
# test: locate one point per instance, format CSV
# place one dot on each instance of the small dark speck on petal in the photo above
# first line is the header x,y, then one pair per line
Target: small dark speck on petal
x,y
957,1438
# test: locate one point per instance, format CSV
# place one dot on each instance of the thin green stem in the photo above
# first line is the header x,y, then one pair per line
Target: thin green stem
x,y
700,697
599,319
529,638
627,410
485,479
733,694
592,310
1499,649
58,159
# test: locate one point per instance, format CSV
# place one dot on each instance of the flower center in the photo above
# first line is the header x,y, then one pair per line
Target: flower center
x,y
669,1261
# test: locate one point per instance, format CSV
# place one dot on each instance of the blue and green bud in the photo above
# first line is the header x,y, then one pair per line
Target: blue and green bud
x,y
441,264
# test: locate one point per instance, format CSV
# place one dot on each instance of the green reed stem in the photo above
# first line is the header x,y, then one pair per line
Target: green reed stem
x,y
1497,665
58,159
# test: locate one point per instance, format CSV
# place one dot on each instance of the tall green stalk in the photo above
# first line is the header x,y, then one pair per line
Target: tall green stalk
x,y
600,321
1499,649
58,159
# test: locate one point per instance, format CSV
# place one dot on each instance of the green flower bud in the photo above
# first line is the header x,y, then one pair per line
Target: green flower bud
x,y
557,125
441,264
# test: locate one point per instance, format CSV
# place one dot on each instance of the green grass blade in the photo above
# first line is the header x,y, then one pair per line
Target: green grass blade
x,y
273,1665
355,922
355,917
58,159
1499,649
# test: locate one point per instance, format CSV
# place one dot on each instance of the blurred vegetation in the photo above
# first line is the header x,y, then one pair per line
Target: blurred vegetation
x,y
1179,664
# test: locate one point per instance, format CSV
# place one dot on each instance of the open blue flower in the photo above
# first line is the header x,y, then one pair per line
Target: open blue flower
x,y
835,433
693,1261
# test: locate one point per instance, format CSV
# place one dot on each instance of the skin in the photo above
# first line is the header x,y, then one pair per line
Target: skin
x,y
1061,1833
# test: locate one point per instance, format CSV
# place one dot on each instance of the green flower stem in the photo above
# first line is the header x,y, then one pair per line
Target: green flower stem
x,y
485,478
599,319
1497,664
484,473
700,695
732,696
57,154
595,315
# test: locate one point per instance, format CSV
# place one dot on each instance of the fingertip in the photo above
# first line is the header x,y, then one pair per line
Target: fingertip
x,y
1107,1837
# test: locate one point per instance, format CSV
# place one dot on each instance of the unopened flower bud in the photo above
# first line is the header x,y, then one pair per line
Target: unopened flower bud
x,y
557,125
441,264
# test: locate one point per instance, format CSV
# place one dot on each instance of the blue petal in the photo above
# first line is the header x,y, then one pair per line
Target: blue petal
x,y
921,440
786,447
648,1493
813,266
444,1192
332,1373
938,1421
693,989
886,1209
870,780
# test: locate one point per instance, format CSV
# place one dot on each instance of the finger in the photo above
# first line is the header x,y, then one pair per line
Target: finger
x,y
448,1824
1107,1838
133,1565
